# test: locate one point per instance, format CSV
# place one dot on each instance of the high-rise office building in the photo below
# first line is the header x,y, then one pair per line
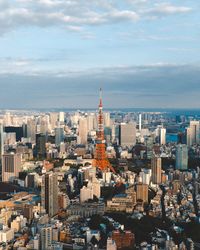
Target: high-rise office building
x,y
53,119
193,133
127,134
188,137
59,135
140,122
149,141
90,121
181,157
156,166
162,136
46,237
11,164
62,117
41,146
142,192
83,130
31,130
49,193
107,121
44,124
145,175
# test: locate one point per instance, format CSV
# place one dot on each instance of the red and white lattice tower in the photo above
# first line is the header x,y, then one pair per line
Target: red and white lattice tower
x,y
100,160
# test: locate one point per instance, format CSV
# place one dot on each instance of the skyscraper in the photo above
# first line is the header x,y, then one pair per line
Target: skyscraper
x,y
107,119
44,124
127,134
83,130
31,130
162,136
149,144
53,119
11,164
61,117
140,122
41,146
59,135
181,157
49,193
193,133
156,166
90,121
188,137
46,237
1,142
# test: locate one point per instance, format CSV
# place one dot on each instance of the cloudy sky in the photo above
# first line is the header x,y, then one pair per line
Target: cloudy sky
x,y
57,53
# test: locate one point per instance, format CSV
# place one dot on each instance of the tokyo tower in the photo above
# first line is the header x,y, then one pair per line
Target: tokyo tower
x,y
100,161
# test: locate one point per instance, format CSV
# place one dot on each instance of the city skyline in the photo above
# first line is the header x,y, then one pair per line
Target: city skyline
x,y
141,52
99,180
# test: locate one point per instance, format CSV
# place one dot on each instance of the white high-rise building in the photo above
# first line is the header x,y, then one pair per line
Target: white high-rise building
x,y
127,134
162,136
75,118
188,137
53,119
107,122
140,122
90,121
62,117
83,130
145,176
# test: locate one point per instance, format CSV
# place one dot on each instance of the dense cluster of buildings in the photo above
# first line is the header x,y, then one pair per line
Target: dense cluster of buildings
x,y
60,171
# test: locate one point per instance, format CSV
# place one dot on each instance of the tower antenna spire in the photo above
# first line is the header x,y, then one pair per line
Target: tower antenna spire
x,y
100,98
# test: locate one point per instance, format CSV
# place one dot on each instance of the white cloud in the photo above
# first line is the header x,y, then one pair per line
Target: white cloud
x,y
167,9
76,14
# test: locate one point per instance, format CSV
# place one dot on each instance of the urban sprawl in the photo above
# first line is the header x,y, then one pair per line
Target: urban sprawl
x,y
99,180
